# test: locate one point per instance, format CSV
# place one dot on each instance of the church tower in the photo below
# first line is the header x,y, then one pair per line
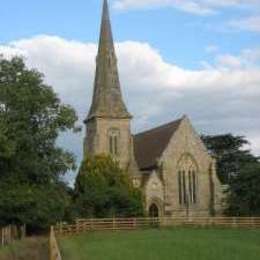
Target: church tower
x,y
108,121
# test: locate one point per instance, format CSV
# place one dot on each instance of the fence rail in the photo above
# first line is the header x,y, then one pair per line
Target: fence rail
x,y
11,233
84,225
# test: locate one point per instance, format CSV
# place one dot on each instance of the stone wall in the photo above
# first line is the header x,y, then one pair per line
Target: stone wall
x,y
186,142
97,138
154,192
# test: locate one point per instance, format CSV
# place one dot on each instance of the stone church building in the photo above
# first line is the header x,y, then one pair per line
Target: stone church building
x,y
169,163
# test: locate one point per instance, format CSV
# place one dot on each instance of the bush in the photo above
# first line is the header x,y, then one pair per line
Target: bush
x,y
104,190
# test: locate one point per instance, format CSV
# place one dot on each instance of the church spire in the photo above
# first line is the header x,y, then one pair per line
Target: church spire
x,y
107,98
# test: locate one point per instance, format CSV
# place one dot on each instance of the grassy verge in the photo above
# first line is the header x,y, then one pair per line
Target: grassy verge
x,y
179,244
28,249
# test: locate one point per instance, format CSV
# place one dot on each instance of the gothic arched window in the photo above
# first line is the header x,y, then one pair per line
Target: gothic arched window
x,y
187,180
113,137
180,186
194,188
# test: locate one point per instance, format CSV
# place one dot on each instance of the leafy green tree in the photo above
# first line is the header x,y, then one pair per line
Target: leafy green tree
x,y
238,168
230,154
37,206
31,117
31,162
104,190
244,192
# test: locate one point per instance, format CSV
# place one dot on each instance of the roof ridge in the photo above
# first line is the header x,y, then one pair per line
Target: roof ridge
x,y
160,126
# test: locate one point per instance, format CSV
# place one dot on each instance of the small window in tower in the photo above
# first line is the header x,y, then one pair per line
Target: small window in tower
x,y
116,145
111,144
109,61
113,137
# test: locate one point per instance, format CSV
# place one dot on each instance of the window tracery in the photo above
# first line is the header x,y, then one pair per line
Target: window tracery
x,y
187,181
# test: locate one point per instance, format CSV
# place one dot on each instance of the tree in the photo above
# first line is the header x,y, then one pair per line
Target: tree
x,y
37,206
244,192
104,190
31,163
238,168
230,154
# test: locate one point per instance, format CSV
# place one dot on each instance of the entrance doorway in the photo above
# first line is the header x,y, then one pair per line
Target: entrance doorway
x,y
153,211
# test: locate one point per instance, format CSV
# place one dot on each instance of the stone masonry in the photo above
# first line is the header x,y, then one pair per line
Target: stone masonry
x,y
169,163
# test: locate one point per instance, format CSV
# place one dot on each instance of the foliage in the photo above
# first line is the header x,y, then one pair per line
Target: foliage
x,y
230,154
31,118
240,169
104,190
31,163
244,192
37,206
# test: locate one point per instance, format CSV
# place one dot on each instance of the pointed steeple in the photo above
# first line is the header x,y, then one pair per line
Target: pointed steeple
x,y
107,98
106,37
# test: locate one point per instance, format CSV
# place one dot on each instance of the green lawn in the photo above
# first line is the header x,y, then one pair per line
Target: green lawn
x,y
166,244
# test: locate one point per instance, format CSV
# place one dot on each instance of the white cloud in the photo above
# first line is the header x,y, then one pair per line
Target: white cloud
x,y
199,7
251,56
212,48
251,23
229,61
255,144
221,98
248,59
187,6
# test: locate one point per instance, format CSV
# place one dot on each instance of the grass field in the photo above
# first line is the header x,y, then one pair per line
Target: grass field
x,y
168,244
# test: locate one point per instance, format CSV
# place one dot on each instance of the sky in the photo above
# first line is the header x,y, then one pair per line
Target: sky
x,y
194,57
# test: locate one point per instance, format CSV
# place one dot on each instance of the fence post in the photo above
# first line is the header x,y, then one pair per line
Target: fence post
x,y
134,223
91,224
60,228
77,227
2,242
114,224
10,234
252,222
54,252
234,222
22,231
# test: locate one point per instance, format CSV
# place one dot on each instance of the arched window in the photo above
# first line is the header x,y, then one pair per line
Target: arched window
x,y
187,181
180,186
194,188
113,137
184,188
190,187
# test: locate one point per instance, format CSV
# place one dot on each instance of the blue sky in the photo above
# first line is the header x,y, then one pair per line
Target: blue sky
x,y
180,36
195,57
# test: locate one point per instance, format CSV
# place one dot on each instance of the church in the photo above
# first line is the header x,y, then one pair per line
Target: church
x,y
170,163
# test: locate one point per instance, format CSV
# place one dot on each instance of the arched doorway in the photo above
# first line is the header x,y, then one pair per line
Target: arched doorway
x,y
154,211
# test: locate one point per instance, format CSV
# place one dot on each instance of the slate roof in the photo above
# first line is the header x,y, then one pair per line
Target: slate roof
x,y
149,145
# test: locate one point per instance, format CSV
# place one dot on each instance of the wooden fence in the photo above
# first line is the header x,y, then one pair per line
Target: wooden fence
x,y
11,233
84,225
54,251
